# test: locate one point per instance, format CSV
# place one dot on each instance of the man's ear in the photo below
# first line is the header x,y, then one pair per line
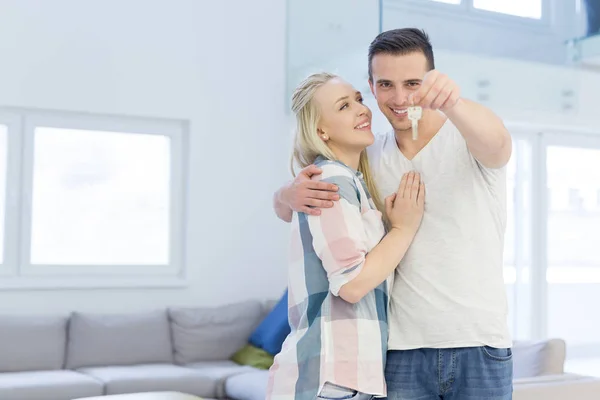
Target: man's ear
x,y
372,87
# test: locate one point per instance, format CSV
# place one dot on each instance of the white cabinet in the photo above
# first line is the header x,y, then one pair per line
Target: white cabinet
x,y
589,97
466,70
515,87
528,87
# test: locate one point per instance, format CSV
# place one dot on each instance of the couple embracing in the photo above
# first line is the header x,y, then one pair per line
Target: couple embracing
x,y
395,278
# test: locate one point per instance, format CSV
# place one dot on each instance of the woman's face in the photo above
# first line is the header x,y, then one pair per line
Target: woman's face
x,y
345,123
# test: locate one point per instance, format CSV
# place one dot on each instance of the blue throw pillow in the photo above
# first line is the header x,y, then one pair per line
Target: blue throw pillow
x,y
273,330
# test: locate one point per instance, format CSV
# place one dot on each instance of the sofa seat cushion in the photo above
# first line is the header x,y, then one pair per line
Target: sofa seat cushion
x,y
218,372
48,385
148,396
151,378
247,386
552,379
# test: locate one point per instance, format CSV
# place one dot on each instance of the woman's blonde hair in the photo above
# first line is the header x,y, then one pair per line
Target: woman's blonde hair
x,y
307,144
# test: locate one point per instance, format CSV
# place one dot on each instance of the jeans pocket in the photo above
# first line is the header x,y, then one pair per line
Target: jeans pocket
x,y
331,391
497,354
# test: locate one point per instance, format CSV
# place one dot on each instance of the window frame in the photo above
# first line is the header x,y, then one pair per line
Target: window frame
x,y
24,274
466,11
521,286
10,262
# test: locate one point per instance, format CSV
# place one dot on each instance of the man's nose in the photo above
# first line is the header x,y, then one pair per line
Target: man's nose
x,y
400,97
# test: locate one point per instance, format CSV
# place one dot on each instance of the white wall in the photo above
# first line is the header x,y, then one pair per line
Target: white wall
x,y
212,63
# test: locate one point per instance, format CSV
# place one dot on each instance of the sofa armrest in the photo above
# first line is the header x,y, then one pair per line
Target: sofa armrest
x,y
557,387
536,358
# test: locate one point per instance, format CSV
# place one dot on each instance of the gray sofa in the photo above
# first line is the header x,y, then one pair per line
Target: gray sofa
x,y
82,354
189,350
538,375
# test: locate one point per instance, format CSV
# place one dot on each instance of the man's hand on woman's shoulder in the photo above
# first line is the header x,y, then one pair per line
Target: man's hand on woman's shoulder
x,y
306,195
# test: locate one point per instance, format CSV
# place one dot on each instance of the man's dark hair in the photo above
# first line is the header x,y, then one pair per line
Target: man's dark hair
x,y
400,42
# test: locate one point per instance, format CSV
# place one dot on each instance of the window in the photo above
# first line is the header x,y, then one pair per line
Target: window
x,y
573,260
100,198
518,8
97,201
449,1
552,239
524,9
575,200
3,179
573,224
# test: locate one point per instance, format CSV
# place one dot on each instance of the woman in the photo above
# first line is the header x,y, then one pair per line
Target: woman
x,y
342,261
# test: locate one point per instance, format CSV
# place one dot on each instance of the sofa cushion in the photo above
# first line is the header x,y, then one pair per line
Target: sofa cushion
x,y
273,330
268,306
218,372
212,334
537,358
253,357
48,385
32,343
151,378
248,386
148,396
125,339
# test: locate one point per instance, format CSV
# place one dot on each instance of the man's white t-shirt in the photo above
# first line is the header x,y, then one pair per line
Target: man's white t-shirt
x,y
449,288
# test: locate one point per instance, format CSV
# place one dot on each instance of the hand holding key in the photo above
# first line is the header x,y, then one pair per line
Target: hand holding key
x,y
437,92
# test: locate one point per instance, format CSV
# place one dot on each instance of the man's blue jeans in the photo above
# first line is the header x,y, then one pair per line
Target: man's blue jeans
x,y
472,373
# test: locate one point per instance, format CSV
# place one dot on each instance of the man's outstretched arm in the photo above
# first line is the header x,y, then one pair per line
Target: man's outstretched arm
x,y
304,195
486,136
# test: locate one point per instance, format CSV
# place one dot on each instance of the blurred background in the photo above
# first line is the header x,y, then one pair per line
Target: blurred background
x,y
141,143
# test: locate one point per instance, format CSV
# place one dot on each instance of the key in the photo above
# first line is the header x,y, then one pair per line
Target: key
x,y
414,115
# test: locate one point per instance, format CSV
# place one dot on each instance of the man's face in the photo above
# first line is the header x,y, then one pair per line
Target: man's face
x,y
395,77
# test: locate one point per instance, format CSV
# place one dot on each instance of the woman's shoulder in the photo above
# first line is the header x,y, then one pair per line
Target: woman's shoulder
x,y
342,176
333,168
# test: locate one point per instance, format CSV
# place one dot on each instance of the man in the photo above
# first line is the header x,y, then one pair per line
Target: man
x,y
449,336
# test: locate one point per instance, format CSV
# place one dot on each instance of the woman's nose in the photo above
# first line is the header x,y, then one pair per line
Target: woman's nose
x,y
363,110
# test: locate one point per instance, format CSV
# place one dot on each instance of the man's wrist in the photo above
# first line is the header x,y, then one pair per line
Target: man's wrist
x,y
282,195
401,231
456,109
397,230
